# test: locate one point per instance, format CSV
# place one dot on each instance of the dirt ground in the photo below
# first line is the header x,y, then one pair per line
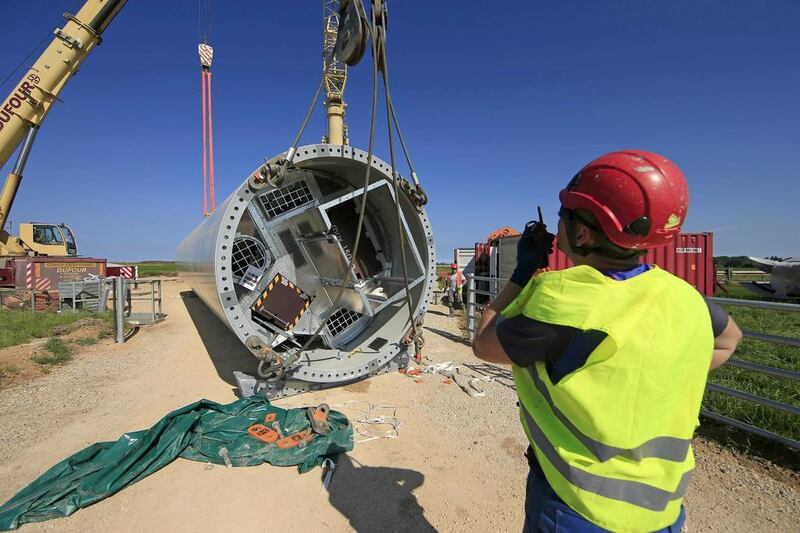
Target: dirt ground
x,y
17,365
456,466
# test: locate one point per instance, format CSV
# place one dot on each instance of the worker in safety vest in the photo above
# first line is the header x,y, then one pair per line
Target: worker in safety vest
x,y
455,285
610,357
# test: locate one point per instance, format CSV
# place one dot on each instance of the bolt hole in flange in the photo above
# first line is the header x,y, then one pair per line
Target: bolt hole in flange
x,y
285,251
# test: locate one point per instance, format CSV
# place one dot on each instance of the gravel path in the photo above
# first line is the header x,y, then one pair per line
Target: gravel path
x,y
456,466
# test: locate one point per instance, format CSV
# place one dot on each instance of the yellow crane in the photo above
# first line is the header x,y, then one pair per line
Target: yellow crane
x,y
26,107
335,75
24,110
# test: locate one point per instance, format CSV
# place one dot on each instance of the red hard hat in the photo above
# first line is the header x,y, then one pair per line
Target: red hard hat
x,y
454,266
639,198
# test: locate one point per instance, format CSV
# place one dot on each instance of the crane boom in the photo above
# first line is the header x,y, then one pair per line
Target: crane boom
x,y
26,107
335,75
32,98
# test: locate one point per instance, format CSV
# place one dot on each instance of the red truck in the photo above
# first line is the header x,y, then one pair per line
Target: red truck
x,y
44,273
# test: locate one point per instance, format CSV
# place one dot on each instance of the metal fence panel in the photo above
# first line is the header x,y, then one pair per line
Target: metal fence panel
x,y
780,372
86,295
148,292
750,428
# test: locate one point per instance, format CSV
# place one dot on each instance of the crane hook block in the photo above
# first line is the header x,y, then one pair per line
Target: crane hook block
x,y
351,40
206,54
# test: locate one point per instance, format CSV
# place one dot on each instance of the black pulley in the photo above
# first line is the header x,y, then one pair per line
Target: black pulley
x,y
351,40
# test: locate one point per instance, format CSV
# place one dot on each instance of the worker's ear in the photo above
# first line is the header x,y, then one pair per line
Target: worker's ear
x,y
583,235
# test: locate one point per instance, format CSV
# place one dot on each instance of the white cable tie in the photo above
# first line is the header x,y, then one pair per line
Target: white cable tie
x,y
447,368
414,177
478,392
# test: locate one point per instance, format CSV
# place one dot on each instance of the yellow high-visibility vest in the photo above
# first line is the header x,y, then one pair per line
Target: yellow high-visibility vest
x,y
614,436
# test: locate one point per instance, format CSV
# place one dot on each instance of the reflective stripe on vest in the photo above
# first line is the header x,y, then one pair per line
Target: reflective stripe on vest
x,y
669,448
633,492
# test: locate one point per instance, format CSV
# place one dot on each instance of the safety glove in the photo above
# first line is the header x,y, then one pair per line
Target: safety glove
x,y
533,248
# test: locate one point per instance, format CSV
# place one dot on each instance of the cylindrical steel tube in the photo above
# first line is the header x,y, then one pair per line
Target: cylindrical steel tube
x,y
270,261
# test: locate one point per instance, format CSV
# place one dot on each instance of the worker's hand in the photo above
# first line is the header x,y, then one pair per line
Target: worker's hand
x,y
532,251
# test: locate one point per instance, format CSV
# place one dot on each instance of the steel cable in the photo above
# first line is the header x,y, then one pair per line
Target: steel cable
x,y
378,47
293,149
362,210
363,207
400,136
395,180
303,126
21,63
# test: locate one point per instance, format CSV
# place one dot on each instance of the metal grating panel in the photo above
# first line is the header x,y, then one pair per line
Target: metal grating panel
x,y
341,320
279,201
247,251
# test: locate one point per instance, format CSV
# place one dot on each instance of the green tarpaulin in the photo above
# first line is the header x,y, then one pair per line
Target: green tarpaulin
x,y
196,431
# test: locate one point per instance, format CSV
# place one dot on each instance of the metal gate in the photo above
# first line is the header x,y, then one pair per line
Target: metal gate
x,y
86,295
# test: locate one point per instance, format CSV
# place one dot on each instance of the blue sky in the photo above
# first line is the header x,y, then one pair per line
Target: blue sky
x,y
501,103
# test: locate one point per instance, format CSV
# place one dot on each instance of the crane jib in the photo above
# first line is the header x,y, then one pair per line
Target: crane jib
x,y
14,102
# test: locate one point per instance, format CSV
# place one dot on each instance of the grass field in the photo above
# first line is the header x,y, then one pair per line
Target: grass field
x,y
156,268
19,327
58,352
775,388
